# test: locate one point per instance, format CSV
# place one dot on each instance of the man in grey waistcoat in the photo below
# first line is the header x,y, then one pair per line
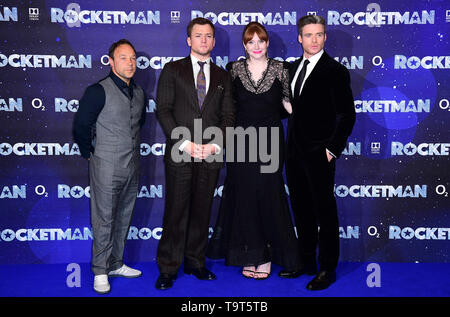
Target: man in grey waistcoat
x,y
106,129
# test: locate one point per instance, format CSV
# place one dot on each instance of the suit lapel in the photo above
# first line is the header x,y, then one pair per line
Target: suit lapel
x,y
316,72
292,71
213,83
188,74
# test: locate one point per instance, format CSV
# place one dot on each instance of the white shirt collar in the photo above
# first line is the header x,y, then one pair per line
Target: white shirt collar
x,y
195,60
315,58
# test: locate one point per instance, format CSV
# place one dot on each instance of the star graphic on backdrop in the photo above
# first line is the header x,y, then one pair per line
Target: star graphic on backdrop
x,y
73,105
346,17
142,62
144,148
409,149
412,62
77,192
70,17
7,235
144,232
407,232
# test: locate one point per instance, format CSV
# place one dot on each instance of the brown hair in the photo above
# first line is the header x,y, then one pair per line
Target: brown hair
x,y
251,29
117,44
310,19
201,21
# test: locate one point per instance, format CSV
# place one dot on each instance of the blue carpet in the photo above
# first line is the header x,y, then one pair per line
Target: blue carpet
x,y
396,280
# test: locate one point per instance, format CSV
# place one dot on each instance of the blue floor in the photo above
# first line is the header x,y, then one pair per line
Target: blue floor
x,y
396,280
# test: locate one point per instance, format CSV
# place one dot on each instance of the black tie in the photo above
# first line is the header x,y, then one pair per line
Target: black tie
x,y
300,78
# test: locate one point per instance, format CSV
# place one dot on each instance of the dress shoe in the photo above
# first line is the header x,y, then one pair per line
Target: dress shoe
x,y
125,271
101,284
165,281
296,273
201,273
322,281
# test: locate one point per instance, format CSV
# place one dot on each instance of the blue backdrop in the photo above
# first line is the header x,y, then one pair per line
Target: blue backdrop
x,y
392,181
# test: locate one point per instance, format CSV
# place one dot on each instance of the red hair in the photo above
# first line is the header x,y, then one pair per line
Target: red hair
x,y
254,28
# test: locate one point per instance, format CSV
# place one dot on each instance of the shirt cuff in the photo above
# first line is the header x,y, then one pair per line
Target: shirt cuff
x,y
331,153
183,145
218,149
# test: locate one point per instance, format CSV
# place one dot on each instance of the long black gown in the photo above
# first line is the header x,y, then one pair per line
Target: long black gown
x,y
254,224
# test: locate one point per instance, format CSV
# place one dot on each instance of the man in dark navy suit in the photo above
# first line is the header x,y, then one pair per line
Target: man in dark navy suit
x,y
322,119
192,92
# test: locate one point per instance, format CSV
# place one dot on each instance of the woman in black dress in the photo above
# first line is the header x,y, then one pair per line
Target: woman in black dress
x,y
254,226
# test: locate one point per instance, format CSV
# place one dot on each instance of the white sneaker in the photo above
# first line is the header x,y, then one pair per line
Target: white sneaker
x,y
125,271
101,284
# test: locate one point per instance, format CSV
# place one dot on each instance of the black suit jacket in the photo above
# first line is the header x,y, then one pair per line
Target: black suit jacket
x,y
177,105
324,114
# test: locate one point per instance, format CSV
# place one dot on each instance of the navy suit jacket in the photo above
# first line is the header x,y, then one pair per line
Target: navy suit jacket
x,y
323,115
177,104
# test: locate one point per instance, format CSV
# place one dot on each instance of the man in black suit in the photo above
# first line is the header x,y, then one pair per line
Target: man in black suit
x,y
322,119
193,94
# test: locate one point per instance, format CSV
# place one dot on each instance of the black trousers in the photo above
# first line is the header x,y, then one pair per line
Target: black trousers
x,y
310,180
189,195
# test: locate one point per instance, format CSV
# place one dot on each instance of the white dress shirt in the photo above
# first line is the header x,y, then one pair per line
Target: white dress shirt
x,y
312,63
196,70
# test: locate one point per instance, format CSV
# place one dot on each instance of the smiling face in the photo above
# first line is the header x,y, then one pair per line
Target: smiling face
x,y
201,41
313,39
124,62
256,48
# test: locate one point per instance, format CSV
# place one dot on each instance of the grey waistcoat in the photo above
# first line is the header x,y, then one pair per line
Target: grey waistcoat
x,y
117,126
